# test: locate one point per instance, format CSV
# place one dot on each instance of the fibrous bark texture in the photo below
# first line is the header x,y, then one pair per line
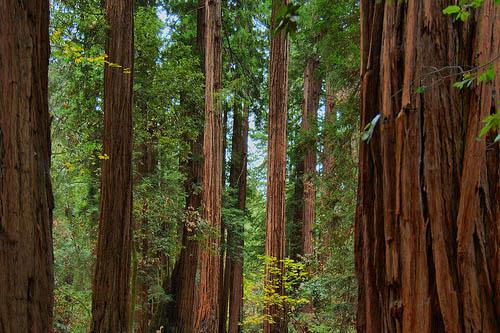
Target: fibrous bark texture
x,y
26,258
427,236
312,91
276,165
207,298
111,288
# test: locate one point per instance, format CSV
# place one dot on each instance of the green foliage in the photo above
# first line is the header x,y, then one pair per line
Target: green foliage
x,y
261,292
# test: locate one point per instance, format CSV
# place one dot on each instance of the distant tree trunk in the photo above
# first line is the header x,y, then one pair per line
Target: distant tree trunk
x,y
207,309
145,168
111,288
26,259
233,277
312,91
276,172
224,240
427,236
183,281
328,161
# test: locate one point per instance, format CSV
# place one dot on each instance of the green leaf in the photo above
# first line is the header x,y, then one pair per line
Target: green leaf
x,y
453,9
488,75
421,89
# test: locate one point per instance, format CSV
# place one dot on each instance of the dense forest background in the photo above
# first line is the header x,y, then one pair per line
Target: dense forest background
x,y
168,86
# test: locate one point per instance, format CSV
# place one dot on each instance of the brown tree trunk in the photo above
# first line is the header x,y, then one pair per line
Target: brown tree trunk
x,y
328,161
234,257
276,165
145,168
26,259
207,300
427,215
224,270
312,91
184,274
111,288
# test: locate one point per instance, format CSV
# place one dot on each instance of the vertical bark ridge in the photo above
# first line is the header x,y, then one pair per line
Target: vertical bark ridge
x,y
435,183
276,168
207,309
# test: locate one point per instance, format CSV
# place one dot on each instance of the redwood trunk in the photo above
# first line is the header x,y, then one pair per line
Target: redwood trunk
x,y
111,289
207,298
427,217
234,257
184,275
276,165
328,162
26,259
312,90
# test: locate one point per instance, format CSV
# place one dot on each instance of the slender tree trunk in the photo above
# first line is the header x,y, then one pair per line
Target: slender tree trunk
x,y
111,289
237,239
143,313
26,258
276,168
207,309
328,161
184,274
427,216
233,277
224,240
312,91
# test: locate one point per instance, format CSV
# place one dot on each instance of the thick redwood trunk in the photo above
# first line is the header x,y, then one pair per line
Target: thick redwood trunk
x,y
276,165
426,227
312,91
26,259
207,298
111,289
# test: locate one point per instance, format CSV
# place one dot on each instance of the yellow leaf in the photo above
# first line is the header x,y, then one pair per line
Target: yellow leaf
x,y
103,157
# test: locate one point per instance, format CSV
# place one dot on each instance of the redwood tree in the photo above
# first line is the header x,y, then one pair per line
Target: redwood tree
x,y
234,259
276,164
111,288
207,295
427,235
26,259
312,91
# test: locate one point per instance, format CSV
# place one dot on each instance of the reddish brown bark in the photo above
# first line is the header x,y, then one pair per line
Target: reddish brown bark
x,y
111,288
328,162
312,91
234,258
26,259
184,274
276,165
423,252
207,297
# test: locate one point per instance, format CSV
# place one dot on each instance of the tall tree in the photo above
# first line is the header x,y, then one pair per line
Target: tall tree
x,y
233,279
26,258
207,309
427,234
276,164
111,289
312,91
